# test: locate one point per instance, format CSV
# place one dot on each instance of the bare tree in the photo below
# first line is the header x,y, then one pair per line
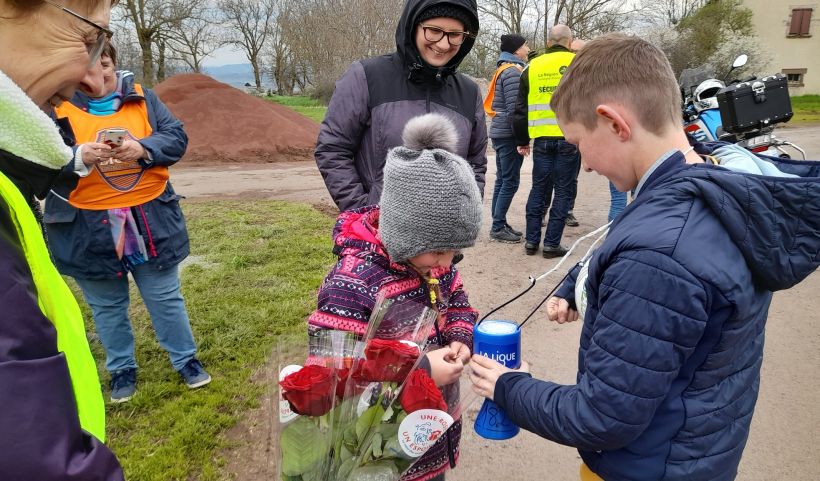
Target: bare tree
x,y
150,19
251,23
511,14
195,38
668,13
283,68
360,28
589,18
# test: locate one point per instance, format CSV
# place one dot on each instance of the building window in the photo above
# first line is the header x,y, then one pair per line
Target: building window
x,y
801,20
795,76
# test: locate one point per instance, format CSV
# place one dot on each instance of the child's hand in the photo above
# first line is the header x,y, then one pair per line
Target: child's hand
x,y
558,310
445,368
461,351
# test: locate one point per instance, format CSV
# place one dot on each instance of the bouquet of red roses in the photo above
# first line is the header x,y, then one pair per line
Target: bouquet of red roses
x,y
366,412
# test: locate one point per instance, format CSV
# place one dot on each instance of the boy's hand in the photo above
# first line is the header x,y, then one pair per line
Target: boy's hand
x,y
485,373
461,352
523,150
443,369
558,310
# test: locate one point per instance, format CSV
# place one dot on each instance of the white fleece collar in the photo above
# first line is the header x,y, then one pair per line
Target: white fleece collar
x,y
26,131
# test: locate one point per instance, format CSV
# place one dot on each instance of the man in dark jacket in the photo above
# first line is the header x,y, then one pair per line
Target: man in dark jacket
x,y
555,161
674,302
376,97
514,50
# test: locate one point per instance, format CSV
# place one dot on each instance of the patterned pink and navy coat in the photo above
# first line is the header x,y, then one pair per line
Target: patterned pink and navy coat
x,y
349,292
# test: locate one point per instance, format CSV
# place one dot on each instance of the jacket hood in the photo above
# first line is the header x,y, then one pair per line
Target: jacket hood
x,y
507,57
775,221
357,233
405,37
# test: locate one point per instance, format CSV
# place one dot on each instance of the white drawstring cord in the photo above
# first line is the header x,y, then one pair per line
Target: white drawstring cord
x,y
603,228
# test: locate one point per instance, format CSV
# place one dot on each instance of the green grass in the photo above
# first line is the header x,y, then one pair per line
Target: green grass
x,y
806,109
259,266
303,104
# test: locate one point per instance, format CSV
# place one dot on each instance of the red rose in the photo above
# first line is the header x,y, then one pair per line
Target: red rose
x,y
420,392
344,376
309,390
388,360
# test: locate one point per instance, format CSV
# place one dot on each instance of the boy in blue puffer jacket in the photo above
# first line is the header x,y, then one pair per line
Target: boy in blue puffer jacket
x,y
674,302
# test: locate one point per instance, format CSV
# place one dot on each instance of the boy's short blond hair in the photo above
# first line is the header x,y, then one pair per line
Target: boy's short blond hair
x,y
621,69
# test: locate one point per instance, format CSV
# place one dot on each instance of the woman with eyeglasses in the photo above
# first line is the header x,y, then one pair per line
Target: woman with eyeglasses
x,y
376,97
52,420
123,218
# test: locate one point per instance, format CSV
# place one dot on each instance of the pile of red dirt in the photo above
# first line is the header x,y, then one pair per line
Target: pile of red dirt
x,y
225,124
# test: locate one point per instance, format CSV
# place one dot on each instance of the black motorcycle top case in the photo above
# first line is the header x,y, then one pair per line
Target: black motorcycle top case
x,y
755,104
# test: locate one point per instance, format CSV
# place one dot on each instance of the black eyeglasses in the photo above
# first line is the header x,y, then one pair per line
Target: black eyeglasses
x,y
103,35
435,34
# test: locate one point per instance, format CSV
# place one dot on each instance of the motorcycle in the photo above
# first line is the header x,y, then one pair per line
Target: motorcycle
x,y
703,119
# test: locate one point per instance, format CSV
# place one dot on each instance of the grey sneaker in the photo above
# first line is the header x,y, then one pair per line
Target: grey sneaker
x,y
123,385
516,232
504,235
571,221
194,374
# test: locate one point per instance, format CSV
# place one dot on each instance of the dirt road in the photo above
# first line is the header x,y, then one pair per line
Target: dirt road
x,y
784,443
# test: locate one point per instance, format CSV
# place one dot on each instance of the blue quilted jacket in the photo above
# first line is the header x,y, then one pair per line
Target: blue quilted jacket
x,y
672,342
506,91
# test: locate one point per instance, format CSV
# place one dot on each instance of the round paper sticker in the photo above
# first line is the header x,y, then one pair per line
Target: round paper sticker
x,y
421,429
285,412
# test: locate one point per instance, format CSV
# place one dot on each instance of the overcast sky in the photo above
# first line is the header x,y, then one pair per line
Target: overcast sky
x,y
225,56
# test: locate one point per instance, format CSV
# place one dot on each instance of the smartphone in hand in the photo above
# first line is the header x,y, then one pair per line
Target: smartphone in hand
x,y
114,137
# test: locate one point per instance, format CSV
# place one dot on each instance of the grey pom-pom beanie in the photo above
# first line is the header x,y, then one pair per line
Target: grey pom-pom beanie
x,y
430,200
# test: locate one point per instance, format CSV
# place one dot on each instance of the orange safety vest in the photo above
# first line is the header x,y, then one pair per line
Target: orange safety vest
x,y
488,100
114,184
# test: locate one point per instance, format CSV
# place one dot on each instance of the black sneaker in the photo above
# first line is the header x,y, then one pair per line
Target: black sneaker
x,y
505,235
530,249
550,252
123,385
571,221
194,374
516,232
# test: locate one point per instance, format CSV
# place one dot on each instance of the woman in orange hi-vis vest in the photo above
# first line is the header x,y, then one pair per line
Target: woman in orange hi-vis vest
x,y
124,217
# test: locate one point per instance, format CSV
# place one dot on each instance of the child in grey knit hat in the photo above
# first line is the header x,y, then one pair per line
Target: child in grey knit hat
x,y
403,249
430,203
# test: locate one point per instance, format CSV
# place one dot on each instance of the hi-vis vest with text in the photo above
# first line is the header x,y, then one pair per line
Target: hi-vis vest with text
x,y
59,306
544,73
114,184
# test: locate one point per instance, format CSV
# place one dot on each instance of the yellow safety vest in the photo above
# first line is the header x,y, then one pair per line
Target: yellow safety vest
x,y
58,304
544,73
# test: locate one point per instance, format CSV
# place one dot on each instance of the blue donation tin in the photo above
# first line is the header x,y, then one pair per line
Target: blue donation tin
x,y
500,341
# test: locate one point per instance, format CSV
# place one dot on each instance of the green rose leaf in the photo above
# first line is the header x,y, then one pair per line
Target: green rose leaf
x,y
303,446
369,418
379,471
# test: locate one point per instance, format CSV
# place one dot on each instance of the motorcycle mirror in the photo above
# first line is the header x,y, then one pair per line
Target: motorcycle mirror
x,y
740,61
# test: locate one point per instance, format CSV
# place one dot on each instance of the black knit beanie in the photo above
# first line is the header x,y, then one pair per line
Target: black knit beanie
x,y
449,11
511,42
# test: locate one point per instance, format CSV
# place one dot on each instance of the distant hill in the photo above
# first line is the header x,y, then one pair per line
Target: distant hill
x,y
236,75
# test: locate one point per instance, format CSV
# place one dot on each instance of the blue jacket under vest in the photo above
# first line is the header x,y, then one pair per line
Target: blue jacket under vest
x,y
506,93
672,343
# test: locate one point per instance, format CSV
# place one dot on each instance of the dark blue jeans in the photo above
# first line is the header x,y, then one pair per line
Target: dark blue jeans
x,y
558,159
507,177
